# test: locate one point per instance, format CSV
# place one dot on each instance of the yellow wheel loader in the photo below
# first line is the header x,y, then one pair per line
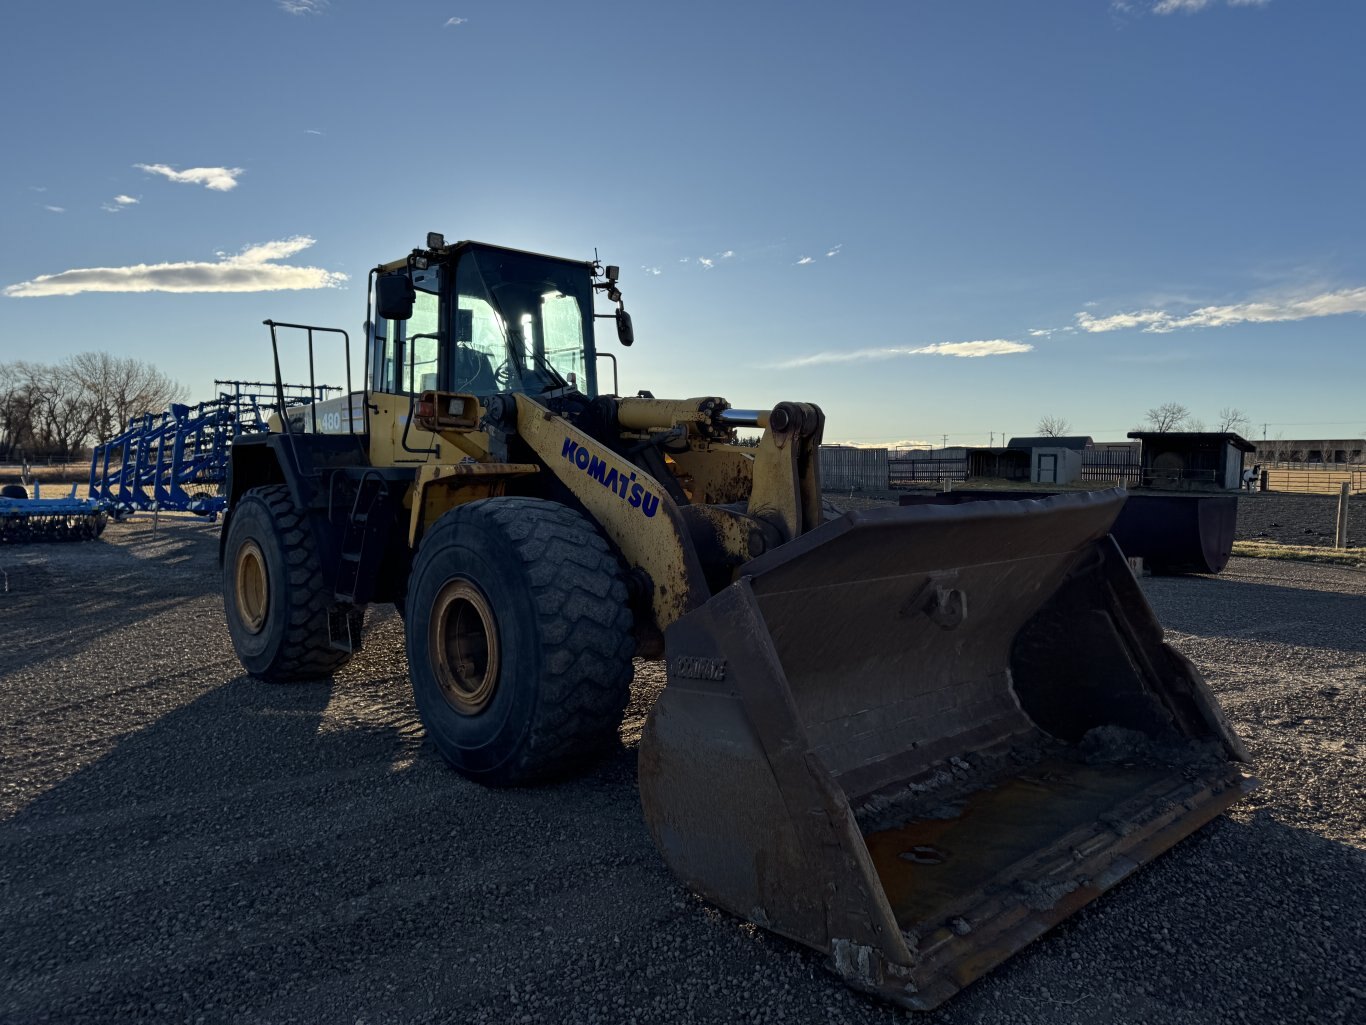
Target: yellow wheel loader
x,y
912,739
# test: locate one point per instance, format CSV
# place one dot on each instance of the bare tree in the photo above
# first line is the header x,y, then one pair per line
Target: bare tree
x,y
120,388
1231,418
1052,426
1170,416
61,411
1328,450
16,411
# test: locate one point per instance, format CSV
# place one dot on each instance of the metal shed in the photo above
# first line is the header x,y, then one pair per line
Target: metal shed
x,y
1054,460
1192,460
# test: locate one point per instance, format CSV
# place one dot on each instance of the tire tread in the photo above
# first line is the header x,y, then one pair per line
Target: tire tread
x,y
306,653
584,624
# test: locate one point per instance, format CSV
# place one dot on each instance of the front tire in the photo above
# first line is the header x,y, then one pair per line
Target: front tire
x,y
519,640
277,600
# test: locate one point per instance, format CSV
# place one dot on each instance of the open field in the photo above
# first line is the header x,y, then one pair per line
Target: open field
x,y
181,843
58,473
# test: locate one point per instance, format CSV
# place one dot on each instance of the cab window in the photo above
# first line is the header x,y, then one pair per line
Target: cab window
x,y
407,353
562,328
422,334
480,361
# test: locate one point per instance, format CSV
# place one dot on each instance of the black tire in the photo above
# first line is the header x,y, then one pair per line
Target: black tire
x,y
529,601
14,491
285,638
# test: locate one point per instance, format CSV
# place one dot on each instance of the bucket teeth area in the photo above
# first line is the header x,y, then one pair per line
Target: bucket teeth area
x,y
1026,826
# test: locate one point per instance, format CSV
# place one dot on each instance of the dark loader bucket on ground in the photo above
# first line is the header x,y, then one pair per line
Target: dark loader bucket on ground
x,y
916,738
1190,533
1178,533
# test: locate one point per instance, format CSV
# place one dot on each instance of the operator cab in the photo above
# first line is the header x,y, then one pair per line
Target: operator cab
x,y
482,319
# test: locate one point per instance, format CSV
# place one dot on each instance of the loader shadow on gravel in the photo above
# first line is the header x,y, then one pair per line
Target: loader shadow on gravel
x,y
265,846
293,853
244,852
253,857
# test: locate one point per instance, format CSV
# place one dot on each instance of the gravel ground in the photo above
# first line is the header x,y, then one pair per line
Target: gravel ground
x,y
181,843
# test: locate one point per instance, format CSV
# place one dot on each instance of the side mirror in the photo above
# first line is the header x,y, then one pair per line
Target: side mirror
x,y
625,332
394,296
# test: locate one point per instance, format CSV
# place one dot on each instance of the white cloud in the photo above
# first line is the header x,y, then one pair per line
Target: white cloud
x,y
1271,311
728,254
254,269
452,22
652,271
805,260
220,179
834,250
975,350
118,203
55,209
966,350
1040,332
708,264
303,6
123,200
897,443
1163,7
1119,321
312,131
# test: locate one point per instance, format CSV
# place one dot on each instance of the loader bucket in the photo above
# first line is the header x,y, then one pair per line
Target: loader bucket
x,y
1178,533
916,738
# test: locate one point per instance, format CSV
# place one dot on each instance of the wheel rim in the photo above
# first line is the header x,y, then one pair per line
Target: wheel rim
x,y
463,647
253,586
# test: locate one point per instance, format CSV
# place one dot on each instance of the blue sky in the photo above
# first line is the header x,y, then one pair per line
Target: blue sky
x,y
931,218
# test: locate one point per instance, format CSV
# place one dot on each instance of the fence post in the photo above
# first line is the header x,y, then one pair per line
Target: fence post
x,y
1341,540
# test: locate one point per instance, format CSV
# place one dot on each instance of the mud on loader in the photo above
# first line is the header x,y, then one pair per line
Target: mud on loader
x,y
912,738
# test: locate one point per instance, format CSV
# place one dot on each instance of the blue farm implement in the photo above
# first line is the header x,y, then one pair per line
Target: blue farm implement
x,y
173,461
178,460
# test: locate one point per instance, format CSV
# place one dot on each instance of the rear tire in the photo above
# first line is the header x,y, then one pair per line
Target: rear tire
x,y
277,600
14,491
519,640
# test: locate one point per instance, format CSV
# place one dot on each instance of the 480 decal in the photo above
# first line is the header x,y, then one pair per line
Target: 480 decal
x,y
621,485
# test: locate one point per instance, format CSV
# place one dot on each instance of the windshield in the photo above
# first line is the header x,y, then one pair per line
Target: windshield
x,y
522,323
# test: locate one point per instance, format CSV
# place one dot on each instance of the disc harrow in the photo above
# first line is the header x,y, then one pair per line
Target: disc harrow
x,y
26,520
